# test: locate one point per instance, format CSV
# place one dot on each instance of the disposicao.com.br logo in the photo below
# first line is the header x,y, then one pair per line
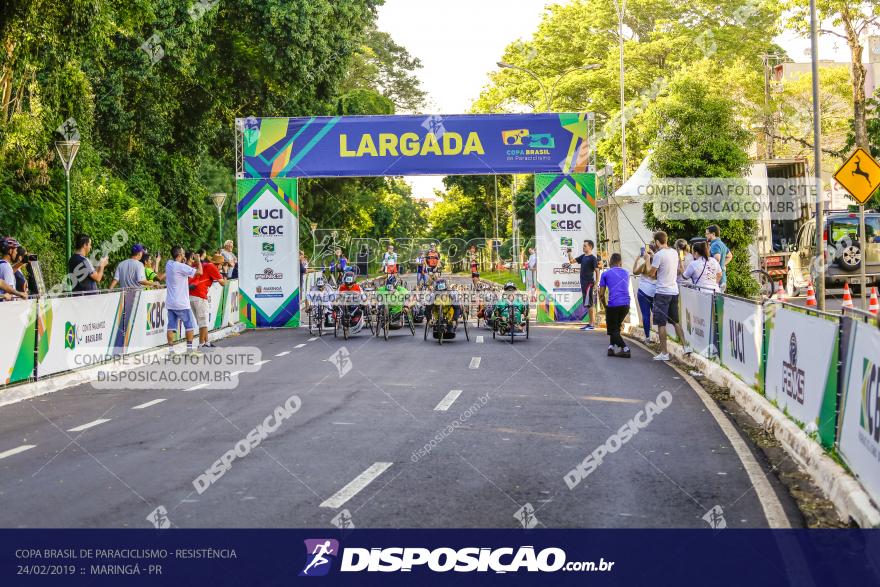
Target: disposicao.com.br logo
x,y
322,552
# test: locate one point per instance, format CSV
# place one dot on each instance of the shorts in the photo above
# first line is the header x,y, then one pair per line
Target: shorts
x,y
200,309
665,309
587,292
391,269
430,269
185,316
474,274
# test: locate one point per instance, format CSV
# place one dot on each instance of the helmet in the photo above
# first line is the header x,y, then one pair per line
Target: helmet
x,y
319,282
348,279
440,285
509,286
8,244
391,281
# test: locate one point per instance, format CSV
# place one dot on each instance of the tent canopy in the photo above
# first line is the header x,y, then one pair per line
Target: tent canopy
x,y
641,177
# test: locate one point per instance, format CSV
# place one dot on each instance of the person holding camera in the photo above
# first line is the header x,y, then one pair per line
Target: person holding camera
x,y
178,271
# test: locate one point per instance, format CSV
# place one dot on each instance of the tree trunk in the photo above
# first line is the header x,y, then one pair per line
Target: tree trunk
x,y
858,80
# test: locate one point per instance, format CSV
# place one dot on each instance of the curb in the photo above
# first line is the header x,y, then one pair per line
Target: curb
x,y
849,498
53,383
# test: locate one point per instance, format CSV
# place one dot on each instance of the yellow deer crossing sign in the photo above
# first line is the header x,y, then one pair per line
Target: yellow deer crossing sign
x,y
860,175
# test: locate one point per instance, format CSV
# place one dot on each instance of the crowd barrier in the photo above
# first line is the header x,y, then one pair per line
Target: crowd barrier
x,y
53,334
821,370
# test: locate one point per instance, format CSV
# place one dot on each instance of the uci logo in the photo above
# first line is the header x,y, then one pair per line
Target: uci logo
x,y
274,214
565,208
155,316
268,230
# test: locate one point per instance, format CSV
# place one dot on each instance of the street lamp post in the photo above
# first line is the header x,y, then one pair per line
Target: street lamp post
x,y
67,151
817,161
620,6
219,198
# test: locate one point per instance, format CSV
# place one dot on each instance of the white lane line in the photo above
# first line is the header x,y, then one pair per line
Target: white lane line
x,y
475,363
313,339
282,354
300,345
16,450
356,486
479,340
261,363
91,424
195,387
448,400
148,404
235,373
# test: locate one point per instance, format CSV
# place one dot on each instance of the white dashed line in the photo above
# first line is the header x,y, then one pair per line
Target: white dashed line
x,y
91,424
148,404
313,339
235,373
356,486
448,400
195,387
282,354
16,450
479,340
475,363
261,363
300,345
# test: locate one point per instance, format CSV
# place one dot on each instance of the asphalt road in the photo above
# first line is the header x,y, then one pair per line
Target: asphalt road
x,y
354,444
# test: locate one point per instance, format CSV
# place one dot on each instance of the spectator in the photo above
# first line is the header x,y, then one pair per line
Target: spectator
x,y
647,287
684,257
227,253
589,264
303,268
532,270
177,274
22,282
389,261
8,254
131,274
84,278
151,267
616,282
704,271
664,268
339,265
720,252
198,294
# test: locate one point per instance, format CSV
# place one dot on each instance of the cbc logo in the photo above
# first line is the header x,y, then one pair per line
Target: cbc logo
x,y
268,230
155,316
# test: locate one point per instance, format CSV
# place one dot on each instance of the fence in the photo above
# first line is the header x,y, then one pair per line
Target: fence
x,y
821,370
52,334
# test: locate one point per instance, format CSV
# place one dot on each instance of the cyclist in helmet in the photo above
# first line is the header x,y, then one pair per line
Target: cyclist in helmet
x,y
320,293
8,255
447,301
350,294
394,294
510,302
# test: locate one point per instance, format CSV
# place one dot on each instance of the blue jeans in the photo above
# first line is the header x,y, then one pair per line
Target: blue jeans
x,y
645,304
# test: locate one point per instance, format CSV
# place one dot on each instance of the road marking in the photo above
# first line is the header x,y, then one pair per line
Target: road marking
x,y
195,387
91,424
300,345
479,340
148,404
235,373
282,354
475,363
313,339
16,450
619,400
261,363
356,486
447,401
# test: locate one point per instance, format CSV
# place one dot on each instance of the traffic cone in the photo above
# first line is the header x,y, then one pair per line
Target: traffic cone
x,y
847,297
874,303
780,291
811,295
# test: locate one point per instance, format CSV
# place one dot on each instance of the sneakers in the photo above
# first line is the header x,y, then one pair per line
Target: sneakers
x,y
588,326
623,353
647,340
661,357
612,350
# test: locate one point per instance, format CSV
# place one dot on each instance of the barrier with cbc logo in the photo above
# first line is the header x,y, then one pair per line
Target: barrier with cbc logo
x,y
50,335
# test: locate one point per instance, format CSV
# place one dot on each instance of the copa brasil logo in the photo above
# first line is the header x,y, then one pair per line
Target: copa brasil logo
x,y
320,554
155,317
515,137
870,414
70,335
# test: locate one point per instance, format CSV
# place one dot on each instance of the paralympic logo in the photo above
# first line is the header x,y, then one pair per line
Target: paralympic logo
x,y
320,554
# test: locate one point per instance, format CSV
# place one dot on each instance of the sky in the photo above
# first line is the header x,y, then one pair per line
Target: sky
x,y
460,41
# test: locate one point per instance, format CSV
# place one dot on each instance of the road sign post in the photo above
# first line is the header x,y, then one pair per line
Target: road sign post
x,y
860,176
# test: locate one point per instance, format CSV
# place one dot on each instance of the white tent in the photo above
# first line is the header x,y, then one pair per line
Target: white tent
x,y
624,217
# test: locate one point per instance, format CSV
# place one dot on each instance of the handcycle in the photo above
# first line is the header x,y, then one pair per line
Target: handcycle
x,y
387,320
349,315
506,321
320,316
441,324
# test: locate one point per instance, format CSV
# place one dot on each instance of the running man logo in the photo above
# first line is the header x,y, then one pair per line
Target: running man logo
x,y
320,554
70,338
870,417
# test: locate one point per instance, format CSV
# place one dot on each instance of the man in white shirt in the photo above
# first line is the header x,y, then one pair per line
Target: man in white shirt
x,y
664,268
389,261
177,274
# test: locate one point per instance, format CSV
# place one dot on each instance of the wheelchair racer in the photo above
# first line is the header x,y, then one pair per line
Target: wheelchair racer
x,y
394,295
351,295
445,302
509,302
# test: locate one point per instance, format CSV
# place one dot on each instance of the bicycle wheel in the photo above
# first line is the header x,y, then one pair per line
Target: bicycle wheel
x,y
467,336
510,322
311,326
386,318
321,317
427,325
336,324
409,321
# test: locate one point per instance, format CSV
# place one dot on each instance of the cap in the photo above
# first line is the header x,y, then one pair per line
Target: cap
x,y
138,248
218,259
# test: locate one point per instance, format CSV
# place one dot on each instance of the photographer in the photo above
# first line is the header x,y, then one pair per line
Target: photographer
x,y
178,270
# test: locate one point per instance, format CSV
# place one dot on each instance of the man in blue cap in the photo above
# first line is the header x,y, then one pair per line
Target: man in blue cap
x,y
130,274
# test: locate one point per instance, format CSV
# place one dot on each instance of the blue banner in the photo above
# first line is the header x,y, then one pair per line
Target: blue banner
x,y
756,558
361,146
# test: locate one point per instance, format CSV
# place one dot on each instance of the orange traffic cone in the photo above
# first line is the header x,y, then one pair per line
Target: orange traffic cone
x,y
847,297
874,303
811,295
780,291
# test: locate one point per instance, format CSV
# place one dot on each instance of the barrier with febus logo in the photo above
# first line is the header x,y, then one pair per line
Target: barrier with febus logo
x,y
273,152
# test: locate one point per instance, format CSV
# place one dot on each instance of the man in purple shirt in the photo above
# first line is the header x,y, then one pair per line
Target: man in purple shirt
x,y
616,282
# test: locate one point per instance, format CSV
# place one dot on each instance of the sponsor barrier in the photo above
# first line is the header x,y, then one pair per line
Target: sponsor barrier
x,y
859,430
800,374
696,319
741,342
52,335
